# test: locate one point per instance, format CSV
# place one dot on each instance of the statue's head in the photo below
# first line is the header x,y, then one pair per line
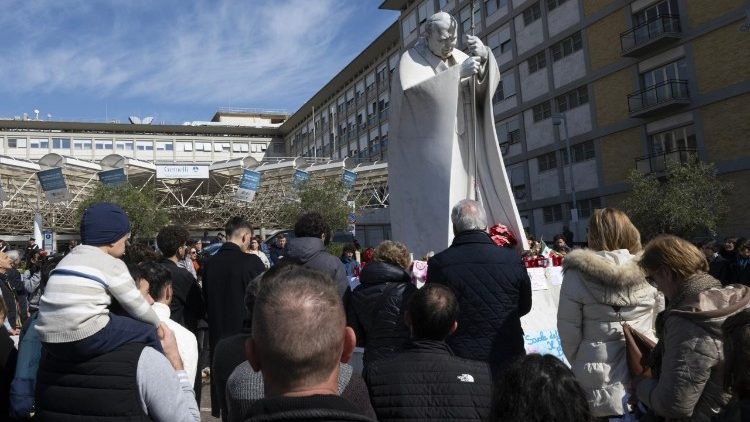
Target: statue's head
x,y
441,32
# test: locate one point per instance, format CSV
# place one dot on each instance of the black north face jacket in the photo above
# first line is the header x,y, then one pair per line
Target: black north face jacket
x,y
427,382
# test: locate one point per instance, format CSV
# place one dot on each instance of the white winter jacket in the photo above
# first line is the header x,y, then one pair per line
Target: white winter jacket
x,y
590,330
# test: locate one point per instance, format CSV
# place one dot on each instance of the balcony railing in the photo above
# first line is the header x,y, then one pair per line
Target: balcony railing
x,y
668,94
657,163
650,34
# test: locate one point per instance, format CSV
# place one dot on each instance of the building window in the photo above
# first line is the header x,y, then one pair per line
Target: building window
x,y
552,214
532,14
586,207
567,46
509,132
466,20
39,143
499,41
144,145
537,62
82,144
554,4
60,143
572,99
581,152
547,161
164,146
652,13
16,143
103,144
542,111
491,6
506,88
409,24
679,139
124,145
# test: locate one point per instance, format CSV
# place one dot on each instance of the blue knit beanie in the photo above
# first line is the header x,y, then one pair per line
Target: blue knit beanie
x,y
103,223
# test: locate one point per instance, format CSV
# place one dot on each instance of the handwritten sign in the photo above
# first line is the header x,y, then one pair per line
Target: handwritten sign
x,y
545,342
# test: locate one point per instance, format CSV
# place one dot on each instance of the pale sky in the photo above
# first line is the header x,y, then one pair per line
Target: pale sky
x,y
176,60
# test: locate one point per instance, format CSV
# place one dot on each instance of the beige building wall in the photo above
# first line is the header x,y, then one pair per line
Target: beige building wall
x,y
618,153
722,58
700,12
603,35
726,126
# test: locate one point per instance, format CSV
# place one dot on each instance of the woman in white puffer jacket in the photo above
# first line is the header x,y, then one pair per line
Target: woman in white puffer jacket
x,y
603,286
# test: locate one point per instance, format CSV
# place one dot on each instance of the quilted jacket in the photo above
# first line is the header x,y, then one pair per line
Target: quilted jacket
x,y
426,382
493,291
590,329
690,384
376,309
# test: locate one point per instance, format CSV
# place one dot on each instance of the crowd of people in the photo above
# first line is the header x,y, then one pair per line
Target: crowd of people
x,y
119,331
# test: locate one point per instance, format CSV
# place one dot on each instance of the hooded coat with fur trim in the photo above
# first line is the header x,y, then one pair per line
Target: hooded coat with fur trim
x,y
594,285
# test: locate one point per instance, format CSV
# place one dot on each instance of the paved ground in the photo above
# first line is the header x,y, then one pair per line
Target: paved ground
x,y
206,405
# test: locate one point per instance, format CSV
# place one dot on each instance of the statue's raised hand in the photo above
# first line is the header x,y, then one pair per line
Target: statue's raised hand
x,y
470,67
476,47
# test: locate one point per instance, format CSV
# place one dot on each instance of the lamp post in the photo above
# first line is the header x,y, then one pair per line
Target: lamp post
x,y
557,120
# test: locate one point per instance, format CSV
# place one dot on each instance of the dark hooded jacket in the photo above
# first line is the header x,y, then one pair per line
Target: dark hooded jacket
x,y
313,254
376,309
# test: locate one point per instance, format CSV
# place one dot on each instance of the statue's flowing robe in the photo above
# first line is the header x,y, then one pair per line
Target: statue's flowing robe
x,y
430,164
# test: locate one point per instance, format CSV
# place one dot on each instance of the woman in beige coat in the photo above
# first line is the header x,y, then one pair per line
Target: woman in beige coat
x,y
688,361
602,287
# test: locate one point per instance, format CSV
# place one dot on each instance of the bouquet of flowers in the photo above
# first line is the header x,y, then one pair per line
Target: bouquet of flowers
x,y
502,236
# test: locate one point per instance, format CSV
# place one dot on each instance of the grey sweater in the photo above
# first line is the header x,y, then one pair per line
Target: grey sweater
x,y
166,394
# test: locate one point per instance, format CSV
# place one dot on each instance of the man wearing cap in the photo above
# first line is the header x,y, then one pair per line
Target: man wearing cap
x,y
74,319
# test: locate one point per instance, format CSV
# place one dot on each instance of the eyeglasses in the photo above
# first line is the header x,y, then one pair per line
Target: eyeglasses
x,y
193,252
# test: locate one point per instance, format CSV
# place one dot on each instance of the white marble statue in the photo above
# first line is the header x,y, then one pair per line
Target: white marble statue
x,y
431,157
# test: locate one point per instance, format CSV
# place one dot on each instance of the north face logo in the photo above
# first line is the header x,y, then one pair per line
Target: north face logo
x,y
465,378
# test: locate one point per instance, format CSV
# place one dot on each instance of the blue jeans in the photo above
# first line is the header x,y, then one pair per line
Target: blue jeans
x,y
118,331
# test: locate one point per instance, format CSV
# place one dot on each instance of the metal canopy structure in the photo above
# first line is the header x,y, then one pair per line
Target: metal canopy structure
x,y
198,204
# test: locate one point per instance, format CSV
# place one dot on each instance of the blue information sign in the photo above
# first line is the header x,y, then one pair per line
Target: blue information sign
x,y
53,184
349,177
300,176
249,184
114,177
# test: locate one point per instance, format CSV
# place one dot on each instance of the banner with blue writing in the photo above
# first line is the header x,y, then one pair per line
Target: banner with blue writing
x,y
349,178
249,184
53,184
299,177
114,177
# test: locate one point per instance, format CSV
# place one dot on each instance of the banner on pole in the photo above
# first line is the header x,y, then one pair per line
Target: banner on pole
x,y
53,184
349,178
299,177
249,184
115,177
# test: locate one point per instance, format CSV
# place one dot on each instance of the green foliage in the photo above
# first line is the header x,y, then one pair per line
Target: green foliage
x,y
146,217
686,201
324,196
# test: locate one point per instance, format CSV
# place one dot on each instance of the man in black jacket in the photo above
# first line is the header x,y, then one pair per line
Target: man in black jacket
x,y
299,337
225,279
426,381
187,306
491,285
